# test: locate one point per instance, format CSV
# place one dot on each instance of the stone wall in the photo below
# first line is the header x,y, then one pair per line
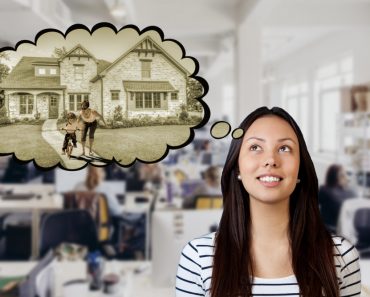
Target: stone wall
x,y
68,79
129,68
41,104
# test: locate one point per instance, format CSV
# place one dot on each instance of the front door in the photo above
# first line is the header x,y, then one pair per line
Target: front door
x,y
53,106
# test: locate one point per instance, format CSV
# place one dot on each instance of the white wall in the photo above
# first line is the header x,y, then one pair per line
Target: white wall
x,y
304,62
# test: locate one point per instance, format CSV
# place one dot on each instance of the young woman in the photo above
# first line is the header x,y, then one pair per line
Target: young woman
x,y
271,240
89,118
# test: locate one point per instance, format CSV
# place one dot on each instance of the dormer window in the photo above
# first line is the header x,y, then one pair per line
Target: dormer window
x,y
79,71
46,70
146,68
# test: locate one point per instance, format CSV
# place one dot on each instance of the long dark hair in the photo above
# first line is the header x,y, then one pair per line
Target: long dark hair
x,y
332,175
311,244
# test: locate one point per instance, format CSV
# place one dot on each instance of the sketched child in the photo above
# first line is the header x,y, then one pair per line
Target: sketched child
x,y
70,128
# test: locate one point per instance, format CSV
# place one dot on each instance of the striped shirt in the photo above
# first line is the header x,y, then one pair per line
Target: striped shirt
x,y
195,270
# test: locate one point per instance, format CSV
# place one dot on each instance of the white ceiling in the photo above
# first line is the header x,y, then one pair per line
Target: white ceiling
x,y
204,27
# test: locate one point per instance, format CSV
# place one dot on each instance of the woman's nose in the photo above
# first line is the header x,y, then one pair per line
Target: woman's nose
x,y
271,161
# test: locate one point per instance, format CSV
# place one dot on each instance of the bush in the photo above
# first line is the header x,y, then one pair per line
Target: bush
x,y
183,116
117,114
4,119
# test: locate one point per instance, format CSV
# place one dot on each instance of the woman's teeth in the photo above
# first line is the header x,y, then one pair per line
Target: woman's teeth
x,y
269,179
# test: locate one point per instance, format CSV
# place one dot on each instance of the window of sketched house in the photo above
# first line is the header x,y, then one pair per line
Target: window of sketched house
x,y
75,101
146,68
79,71
26,104
148,100
114,95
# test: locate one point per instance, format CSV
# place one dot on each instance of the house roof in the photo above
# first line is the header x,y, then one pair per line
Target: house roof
x,y
78,51
138,47
149,86
102,64
23,75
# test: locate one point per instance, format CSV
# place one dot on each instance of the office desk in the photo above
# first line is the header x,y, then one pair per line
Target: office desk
x,y
44,201
131,205
136,284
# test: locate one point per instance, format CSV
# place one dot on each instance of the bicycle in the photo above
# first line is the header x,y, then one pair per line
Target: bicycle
x,y
70,146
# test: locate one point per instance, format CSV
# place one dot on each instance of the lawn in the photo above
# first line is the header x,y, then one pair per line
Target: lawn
x,y
145,143
26,141
125,144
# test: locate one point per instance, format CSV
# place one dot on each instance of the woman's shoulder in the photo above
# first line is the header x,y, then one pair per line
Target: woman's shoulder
x,y
201,245
345,249
347,262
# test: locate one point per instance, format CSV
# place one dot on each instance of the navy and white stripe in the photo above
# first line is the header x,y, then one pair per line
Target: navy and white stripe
x,y
195,271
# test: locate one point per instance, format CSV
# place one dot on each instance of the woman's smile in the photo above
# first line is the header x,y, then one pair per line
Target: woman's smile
x,y
269,160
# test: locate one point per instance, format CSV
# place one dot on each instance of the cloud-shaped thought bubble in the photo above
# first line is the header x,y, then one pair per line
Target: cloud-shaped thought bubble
x,y
98,96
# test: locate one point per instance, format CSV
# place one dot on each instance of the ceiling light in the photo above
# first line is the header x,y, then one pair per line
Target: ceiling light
x,y
118,10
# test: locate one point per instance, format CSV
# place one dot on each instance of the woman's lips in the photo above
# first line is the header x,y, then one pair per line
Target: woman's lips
x,y
269,180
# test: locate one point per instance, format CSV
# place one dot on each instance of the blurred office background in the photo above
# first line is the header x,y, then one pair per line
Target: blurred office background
x,y
309,57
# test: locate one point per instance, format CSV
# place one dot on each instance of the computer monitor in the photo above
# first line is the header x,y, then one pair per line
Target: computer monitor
x,y
171,231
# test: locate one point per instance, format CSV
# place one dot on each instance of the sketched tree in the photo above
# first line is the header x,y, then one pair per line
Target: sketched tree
x,y
59,52
4,69
194,90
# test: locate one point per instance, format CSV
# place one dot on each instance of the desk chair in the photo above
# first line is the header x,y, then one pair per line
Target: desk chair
x,y
70,226
362,227
208,202
94,203
97,205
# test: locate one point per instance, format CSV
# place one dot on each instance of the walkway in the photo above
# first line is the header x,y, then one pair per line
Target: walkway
x,y
55,138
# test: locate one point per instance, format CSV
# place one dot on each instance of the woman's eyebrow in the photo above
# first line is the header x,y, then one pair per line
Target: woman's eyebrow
x,y
263,140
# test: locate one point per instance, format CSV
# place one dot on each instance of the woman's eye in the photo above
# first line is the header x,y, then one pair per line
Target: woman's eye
x,y
285,149
255,148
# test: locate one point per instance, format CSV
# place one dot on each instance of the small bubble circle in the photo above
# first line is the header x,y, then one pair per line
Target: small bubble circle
x,y
237,133
220,129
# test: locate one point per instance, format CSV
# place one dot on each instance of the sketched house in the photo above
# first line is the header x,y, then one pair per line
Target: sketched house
x,y
145,80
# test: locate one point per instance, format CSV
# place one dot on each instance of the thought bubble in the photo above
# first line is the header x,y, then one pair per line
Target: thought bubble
x,y
220,129
143,96
237,133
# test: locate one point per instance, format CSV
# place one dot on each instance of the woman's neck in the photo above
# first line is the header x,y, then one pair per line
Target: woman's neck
x,y
269,221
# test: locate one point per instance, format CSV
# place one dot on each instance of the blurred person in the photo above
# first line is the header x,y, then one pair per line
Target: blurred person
x,y
131,225
209,187
151,175
332,195
271,239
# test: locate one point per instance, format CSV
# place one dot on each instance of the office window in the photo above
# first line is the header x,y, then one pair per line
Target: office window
x,y
25,104
53,71
329,79
145,68
115,95
41,71
295,101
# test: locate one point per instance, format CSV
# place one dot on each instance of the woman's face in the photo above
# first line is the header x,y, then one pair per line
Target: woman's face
x,y
269,160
